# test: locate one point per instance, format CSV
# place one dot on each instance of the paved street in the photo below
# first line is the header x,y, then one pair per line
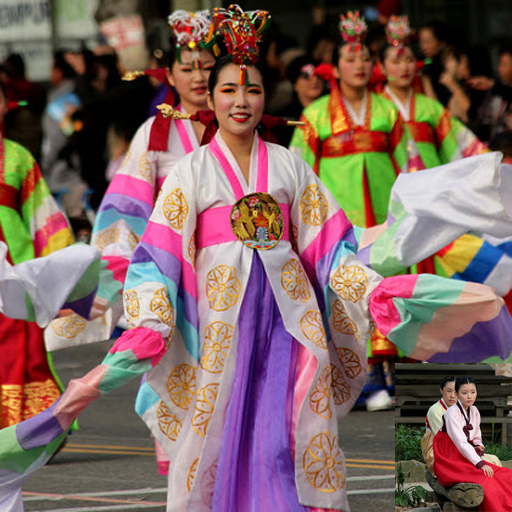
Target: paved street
x,y
109,464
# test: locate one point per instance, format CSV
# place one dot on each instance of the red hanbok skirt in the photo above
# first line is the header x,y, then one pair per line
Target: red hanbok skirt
x,y
451,468
27,385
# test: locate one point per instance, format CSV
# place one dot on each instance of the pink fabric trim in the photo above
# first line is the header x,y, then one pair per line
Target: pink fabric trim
x,y
143,342
162,459
219,155
131,187
304,375
477,147
382,307
78,395
118,266
416,164
159,183
163,237
262,183
182,132
214,226
53,225
331,233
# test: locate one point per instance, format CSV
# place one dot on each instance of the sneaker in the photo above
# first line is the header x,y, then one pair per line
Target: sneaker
x,y
379,401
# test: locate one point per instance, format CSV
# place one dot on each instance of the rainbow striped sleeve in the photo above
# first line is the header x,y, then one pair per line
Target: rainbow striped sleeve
x,y
124,213
27,446
47,225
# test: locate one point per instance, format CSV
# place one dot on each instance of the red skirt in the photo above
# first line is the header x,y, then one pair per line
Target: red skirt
x,y
27,385
451,468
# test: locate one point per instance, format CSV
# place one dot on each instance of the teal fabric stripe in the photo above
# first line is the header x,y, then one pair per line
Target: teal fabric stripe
x,y
106,218
87,283
122,367
188,332
146,398
428,296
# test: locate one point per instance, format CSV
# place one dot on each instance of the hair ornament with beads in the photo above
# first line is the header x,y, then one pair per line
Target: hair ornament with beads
x,y
241,31
353,29
189,31
398,31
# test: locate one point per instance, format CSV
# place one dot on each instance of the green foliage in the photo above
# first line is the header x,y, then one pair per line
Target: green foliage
x,y
493,446
410,496
408,443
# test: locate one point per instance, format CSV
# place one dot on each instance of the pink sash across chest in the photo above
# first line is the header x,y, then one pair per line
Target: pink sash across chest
x,y
214,225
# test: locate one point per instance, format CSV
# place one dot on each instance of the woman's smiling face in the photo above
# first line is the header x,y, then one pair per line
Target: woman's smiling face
x,y
238,108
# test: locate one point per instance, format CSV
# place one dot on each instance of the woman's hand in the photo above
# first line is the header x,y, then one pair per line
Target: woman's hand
x,y
480,449
99,307
488,471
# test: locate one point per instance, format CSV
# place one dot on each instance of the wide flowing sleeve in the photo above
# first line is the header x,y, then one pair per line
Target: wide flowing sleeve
x,y
153,281
124,213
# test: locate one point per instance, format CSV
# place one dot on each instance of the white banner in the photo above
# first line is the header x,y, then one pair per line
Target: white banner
x,y
24,20
75,19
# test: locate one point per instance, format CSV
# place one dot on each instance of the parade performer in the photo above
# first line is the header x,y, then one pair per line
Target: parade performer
x,y
440,137
156,147
248,310
31,225
353,139
458,451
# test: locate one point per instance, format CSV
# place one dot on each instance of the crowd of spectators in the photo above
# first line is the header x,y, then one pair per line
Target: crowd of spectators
x,y
80,125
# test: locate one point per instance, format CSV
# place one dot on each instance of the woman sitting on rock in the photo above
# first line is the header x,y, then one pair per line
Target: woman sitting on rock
x,y
458,452
434,421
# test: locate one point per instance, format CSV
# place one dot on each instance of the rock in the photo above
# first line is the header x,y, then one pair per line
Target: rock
x,y
507,464
429,507
430,496
452,507
413,471
464,495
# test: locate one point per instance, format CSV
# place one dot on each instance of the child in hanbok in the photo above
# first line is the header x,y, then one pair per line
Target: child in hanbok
x,y
458,452
249,311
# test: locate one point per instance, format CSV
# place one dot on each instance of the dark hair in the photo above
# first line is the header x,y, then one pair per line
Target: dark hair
x,y
502,142
463,380
383,52
222,63
171,55
294,69
448,378
59,62
440,30
337,50
14,65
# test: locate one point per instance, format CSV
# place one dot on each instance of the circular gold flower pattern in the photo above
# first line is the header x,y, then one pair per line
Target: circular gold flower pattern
x,y
168,423
131,305
350,362
341,321
222,287
330,384
192,474
175,208
323,463
181,385
350,282
217,340
192,249
295,282
145,166
313,206
205,404
208,484
68,326
161,306
313,328
108,237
